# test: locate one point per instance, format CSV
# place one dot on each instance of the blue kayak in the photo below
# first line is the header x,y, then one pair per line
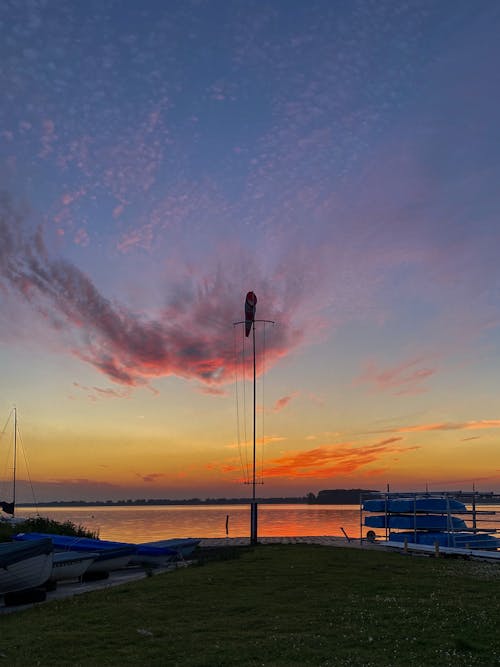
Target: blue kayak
x,y
415,521
66,542
449,539
183,546
423,504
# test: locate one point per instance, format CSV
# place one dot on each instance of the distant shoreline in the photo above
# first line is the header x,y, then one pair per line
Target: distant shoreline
x,y
166,502
325,497
190,502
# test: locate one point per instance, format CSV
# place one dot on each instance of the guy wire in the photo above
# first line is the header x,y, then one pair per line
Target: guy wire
x,y
23,449
263,363
236,365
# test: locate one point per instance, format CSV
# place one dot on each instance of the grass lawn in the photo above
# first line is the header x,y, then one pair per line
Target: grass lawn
x,y
286,605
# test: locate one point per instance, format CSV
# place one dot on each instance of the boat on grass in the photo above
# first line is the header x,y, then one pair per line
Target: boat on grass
x,y
165,550
108,555
109,560
25,565
70,564
150,553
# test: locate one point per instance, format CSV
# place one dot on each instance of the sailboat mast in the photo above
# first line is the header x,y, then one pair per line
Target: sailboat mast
x,y
15,464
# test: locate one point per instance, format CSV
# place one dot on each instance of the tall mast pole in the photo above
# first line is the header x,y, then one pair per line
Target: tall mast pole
x,y
254,411
249,322
15,463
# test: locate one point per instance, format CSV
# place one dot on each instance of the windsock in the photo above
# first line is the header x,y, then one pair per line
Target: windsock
x,y
250,304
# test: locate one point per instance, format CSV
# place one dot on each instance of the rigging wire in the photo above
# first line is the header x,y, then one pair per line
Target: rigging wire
x,y
23,449
244,372
245,376
236,365
3,484
263,372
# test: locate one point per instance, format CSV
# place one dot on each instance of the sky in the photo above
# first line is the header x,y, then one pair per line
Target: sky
x,y
158,160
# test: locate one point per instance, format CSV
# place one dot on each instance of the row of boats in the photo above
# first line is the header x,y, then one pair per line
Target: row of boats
x,y
33,560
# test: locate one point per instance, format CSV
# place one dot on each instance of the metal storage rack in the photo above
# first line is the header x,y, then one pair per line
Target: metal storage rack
x,y
483,537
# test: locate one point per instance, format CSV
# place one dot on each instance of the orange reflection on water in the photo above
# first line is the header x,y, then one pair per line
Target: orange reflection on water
x,y
148,523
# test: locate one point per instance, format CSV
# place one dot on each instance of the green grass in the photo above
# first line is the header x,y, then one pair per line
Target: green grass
x,y
277,605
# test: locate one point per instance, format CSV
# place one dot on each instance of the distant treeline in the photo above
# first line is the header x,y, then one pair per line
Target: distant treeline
x,y
327,497
338,496
166,501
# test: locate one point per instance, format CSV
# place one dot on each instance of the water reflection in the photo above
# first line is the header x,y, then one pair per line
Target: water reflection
x,y
141,524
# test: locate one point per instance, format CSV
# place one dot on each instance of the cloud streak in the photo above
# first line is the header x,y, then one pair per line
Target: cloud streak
x,y
328,461
472,425
282,402
407,377
190,339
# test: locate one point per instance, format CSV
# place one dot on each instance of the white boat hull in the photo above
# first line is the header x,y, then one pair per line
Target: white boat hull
x,y
109,564
26,573
70,568
153,561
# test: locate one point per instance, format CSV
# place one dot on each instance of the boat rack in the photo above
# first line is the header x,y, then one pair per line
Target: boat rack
x,y
432,518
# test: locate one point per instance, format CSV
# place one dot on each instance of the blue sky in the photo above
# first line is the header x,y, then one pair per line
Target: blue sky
x,y
159,160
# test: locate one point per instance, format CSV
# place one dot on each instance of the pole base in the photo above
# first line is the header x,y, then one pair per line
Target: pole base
x,y
253,523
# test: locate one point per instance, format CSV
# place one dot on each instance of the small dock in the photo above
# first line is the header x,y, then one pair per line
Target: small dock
x,y
325,540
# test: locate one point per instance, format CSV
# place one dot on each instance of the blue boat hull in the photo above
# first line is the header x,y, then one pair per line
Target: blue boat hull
x,y
414,505
416,521
162,550
444,539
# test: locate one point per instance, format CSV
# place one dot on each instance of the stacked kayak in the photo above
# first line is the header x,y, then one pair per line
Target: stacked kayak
x,y
417,504
448,539
425,519
416,521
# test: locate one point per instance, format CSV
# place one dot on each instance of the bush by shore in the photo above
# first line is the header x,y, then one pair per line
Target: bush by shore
x,y
42,525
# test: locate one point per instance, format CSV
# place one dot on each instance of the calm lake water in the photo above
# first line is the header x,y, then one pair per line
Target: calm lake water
x,y
142,524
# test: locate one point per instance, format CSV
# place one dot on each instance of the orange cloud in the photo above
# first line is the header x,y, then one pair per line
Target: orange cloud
x,y
331,460
151,477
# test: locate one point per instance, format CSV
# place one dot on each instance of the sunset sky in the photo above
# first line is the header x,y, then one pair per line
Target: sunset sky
x,y
159,159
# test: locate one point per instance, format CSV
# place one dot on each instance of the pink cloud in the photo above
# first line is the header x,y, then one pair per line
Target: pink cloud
x,y
48,138
446,426
281,403
82,237
118,210
405,378
95,393
213,391
191,338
